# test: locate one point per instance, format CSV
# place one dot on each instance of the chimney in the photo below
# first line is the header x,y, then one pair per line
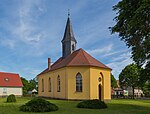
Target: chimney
x,y
49,63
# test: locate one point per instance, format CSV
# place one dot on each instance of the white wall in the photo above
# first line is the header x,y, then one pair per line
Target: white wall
x,y
5,91
136,91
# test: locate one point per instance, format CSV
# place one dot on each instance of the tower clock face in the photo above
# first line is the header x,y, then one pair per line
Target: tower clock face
x,y
99,79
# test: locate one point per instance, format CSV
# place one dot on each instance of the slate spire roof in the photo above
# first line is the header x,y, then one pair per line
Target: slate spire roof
x,y
77,58
68,35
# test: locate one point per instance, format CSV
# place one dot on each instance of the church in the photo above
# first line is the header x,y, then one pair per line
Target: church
x,y
76,75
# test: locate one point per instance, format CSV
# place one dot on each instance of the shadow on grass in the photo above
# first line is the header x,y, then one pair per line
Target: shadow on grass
x,y
146,101
129,108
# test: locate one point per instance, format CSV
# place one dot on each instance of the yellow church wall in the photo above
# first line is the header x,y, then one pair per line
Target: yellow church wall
x,y
105,83
45,79
71,73
90,82
39,78
53,75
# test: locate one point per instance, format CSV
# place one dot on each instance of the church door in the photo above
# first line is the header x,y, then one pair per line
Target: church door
x,y
99,88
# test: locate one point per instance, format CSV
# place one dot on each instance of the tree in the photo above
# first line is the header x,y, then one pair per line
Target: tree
x,y
25,85
32,84
113,82
129,77
28,85
133,26
146,89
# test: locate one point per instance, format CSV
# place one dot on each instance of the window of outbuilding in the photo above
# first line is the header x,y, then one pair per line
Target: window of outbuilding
x,y
4,90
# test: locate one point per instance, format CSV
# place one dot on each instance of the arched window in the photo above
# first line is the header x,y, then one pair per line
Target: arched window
x,y
58,83
78,82
49,82
42,85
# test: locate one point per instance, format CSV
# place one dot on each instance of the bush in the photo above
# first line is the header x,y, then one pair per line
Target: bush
x,y
92,104
38,105
11,98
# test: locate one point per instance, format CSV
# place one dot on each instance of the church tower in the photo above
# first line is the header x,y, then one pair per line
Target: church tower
x,y
68,41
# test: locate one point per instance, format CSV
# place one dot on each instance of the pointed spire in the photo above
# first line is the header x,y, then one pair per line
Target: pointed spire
x,y
68,35
68,41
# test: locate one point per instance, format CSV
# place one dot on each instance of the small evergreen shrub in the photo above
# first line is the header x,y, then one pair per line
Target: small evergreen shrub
x,y
11,98
92,104
38,105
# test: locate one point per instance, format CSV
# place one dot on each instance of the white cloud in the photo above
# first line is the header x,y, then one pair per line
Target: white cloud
x,y
114,53
99,51
29,73
8,43
119,63
26,30
123,56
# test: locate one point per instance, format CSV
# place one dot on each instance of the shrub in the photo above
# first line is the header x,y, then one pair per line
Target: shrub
x,y
92,104
38,105
11,98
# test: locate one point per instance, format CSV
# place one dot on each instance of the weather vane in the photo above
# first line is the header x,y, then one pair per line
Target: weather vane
x,y
68,12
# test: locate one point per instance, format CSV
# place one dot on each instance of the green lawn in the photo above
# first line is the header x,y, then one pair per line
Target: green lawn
x,y
69,107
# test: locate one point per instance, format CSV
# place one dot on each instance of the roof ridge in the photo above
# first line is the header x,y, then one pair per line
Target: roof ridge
x,y
9,73
85,56
56,61
75,55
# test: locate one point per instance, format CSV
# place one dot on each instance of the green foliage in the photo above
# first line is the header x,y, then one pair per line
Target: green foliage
x,y
28,85
113,82
38,105
25,85
146,89
92,104
133,26
11,98
129,77
32,84
145,75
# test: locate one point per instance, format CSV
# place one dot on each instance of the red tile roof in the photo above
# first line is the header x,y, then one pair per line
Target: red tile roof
x,y
77,58
10,80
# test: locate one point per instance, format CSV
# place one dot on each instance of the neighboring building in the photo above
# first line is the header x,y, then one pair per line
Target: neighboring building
x,y
10,83
76,75
137,92
118,90
126,91
34,91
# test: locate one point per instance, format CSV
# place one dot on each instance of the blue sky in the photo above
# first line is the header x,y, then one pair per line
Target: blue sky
x,y
32,30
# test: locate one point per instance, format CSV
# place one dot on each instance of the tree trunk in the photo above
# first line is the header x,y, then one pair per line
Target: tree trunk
x,y
133,91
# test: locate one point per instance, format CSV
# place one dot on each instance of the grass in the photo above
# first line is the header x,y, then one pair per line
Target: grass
x,y
69,107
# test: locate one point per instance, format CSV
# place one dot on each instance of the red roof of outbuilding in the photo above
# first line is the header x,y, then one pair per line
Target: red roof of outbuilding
x,y
77,58
10,80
